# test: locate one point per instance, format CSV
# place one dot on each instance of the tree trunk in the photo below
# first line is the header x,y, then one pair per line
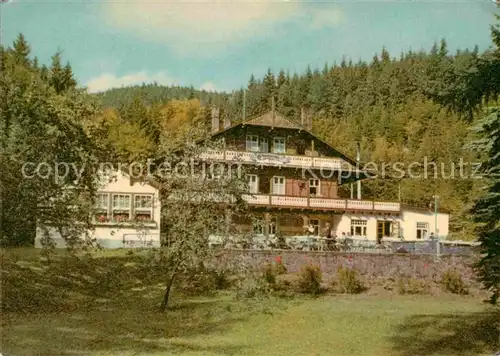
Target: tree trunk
x,y
164,303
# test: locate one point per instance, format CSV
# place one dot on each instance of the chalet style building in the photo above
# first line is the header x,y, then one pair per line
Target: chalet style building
x,y
294,180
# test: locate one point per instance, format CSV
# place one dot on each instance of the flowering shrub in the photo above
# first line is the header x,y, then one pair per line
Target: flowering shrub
x,y
279,266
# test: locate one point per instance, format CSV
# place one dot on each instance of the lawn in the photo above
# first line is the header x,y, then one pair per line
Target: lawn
x,y
359,325
128,323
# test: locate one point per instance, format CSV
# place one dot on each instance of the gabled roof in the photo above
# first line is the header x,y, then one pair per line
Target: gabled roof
x,y
278,121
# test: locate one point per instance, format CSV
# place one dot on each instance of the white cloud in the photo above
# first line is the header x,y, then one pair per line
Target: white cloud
x,y
320,18
191,27
209,86
107,81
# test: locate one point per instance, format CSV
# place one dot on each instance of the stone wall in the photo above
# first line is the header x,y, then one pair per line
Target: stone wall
x,y
369,265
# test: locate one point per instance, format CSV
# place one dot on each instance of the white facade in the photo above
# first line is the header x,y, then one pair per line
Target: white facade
x,y
411,225
128,215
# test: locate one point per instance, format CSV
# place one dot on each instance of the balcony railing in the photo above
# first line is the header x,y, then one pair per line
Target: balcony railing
x,y
321,203
270,200
273,159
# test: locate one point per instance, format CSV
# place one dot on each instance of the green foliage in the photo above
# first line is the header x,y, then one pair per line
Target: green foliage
x,y
310,278
348,281
41,111
152,94
269,274
412,286
203,281
487,208
452,282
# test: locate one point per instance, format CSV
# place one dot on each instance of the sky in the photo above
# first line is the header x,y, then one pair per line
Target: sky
x,y
216,45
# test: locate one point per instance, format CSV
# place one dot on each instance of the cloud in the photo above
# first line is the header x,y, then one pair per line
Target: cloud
x,y
209,86
318,18
107,81
191,27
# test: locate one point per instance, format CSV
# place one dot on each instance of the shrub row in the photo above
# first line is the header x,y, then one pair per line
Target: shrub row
x,y
309,280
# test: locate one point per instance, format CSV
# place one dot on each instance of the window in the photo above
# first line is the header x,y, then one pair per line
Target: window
x,y
422,230
258,227
358,227
315,225
121,207
314,187
279,145
278,185
121,201
102,207
253,183
264,145
252,143
102,201
143,206
143,202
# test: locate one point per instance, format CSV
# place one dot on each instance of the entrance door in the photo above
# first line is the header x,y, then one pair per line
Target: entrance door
x,y
279,185
384,229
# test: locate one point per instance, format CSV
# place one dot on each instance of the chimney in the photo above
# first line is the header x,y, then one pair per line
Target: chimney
x,y
273,109
215,120
308,120
227,122
302,117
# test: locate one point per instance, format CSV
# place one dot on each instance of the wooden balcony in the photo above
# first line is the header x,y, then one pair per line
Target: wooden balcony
x,y
321,203
293,202
279,160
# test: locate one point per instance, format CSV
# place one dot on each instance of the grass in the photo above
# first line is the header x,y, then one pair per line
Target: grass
x,y
101,317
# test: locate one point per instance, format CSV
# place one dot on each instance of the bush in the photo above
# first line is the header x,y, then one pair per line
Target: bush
x,y
250,288
348,281
221,279
269,274
310,278
279,266
203,281
452,282
412,286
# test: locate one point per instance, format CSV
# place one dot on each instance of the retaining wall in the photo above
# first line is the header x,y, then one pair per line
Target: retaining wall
x,y
368,264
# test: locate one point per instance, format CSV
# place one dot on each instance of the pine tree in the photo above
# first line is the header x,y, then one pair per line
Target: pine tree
x,y
59,77
487,209
269,90
21,51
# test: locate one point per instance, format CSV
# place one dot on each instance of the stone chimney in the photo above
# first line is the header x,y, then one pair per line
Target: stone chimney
x,y
305,118
273,109
215,120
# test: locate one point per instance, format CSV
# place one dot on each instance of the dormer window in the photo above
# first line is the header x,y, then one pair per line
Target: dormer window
x,y
279,145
